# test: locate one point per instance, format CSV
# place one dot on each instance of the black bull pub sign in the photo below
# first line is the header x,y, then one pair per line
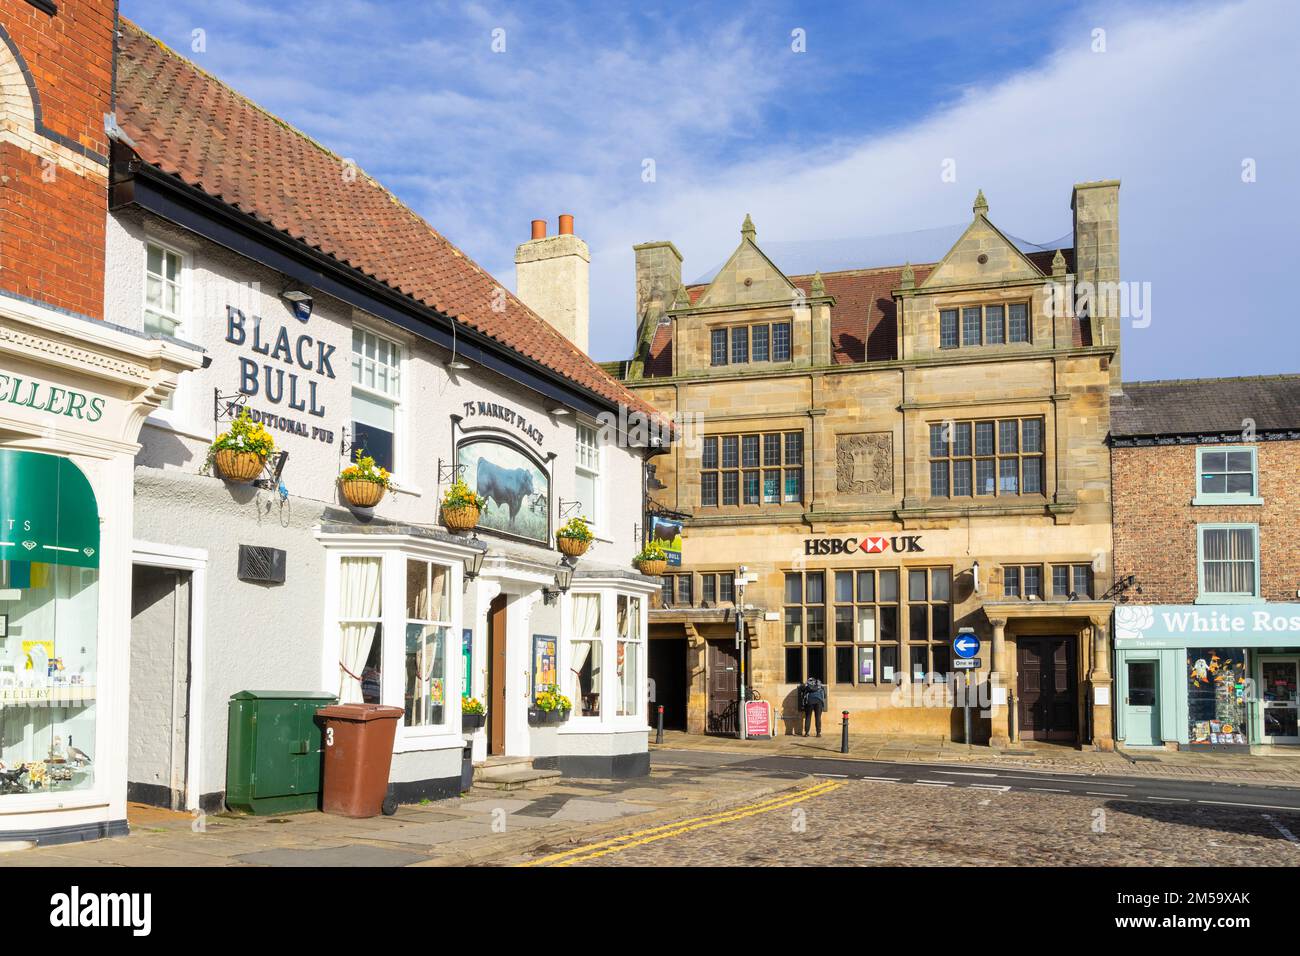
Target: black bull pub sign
x,y
870,544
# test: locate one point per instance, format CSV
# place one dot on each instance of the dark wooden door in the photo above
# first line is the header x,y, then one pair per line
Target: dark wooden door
x,y
724,687
1046,688
667,669
496,716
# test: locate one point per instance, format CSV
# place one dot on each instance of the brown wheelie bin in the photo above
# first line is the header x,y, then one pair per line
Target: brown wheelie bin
x,y
357,740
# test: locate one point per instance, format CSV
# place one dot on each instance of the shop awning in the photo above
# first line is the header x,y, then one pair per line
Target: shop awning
x,y
48,512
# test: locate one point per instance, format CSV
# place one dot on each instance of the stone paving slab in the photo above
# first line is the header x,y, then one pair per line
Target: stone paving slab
x,y
347,855
451,832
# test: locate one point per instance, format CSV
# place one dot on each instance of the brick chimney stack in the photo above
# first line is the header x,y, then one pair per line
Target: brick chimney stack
x,y
552,279
56,78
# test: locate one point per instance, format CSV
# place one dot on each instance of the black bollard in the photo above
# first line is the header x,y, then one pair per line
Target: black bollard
x,y
659,732
844,734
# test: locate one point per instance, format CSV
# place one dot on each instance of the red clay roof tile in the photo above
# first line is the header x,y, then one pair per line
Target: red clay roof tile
x,y
190,125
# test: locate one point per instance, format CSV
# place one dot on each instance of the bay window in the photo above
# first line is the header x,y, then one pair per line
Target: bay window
x,y
427,627
586,663
629,655
360,629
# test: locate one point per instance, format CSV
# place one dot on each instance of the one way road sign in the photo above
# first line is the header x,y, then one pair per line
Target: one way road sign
x,y
966,645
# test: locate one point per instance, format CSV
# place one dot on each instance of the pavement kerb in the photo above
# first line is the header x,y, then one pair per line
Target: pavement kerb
x,y
1008,763
494,848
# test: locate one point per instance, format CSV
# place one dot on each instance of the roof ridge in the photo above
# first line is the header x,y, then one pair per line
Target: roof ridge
x,y
278,120
1274,376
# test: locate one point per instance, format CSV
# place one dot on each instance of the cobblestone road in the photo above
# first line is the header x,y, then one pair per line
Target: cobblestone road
x,y
858,823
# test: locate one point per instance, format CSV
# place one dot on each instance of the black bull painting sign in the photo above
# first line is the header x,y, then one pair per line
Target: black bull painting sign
x,y
517,489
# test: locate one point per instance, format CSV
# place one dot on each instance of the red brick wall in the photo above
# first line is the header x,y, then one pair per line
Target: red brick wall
x,y
53,214
1155,521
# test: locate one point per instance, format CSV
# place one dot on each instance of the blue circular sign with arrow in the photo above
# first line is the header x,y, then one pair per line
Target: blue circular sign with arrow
x,y
966,645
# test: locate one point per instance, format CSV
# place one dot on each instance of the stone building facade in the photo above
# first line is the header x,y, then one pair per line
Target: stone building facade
x,y
1207,633
892,454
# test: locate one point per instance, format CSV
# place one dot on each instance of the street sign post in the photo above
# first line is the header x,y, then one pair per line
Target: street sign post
x,y
964,648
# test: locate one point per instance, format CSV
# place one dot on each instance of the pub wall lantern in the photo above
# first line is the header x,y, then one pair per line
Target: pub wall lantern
x,y
563,581
474,564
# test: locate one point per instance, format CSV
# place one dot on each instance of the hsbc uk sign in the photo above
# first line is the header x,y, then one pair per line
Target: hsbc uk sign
x,y
871,544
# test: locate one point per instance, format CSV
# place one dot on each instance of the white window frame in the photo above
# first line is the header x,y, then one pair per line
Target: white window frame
x,y
609,719
1226,597
593,510
394,553
401,457
445,622
177,417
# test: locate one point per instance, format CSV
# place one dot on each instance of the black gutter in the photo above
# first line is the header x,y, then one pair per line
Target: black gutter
x,y
168,197
1202,438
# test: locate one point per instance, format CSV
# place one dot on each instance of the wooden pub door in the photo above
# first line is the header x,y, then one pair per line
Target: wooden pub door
x,y
496,703
1047,688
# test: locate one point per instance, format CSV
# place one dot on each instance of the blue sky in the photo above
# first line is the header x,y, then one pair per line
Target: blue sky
x,y
846,140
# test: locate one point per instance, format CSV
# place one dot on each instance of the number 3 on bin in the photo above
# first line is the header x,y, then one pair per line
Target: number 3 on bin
x,y
329,736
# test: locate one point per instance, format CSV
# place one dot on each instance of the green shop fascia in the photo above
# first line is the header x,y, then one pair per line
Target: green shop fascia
x,y
1207,677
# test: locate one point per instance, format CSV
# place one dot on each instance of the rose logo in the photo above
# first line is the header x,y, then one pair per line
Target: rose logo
x,y
1131,622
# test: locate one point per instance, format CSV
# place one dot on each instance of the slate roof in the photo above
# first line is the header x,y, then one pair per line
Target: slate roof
x,y
188,124
1206,406
864,321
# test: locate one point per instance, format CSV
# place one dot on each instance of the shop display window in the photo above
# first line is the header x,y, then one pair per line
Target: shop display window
x,y
49,624
1216,696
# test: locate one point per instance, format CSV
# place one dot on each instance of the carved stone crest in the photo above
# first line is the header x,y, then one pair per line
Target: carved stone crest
x,y
864,464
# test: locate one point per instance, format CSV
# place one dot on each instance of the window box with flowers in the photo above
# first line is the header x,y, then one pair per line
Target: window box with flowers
x,y
574,538
550,707
652,560
473,714
240,454
461,507
363,484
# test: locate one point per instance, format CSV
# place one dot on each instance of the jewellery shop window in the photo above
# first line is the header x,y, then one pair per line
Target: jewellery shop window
x,y
49,612
427,627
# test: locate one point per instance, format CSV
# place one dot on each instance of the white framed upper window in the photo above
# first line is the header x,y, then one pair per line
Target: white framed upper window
x,y
376,397
164,298
164,291
587,472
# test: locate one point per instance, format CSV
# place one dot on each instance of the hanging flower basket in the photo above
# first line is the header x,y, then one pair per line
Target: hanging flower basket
x,y
238,465
572,547
653,569
363,484
363,494
574,538
461,507
461,519
652,560
240,453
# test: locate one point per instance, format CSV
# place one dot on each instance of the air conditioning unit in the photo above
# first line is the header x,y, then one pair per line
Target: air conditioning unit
x,y
261,565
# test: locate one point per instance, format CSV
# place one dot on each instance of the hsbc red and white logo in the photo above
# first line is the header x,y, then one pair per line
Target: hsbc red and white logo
x,y
871,544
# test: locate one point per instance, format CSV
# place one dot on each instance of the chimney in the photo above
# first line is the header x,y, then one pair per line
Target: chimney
x,y
551,278
1096,261
658,277
56,90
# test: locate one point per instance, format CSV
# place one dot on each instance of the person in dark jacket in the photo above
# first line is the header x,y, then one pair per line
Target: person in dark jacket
x,y
812,696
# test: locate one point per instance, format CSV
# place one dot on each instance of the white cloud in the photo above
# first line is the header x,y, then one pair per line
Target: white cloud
x,y
1179,98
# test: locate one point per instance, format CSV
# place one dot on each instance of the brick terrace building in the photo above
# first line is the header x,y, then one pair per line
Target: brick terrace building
x,y
892,454
74,391
1208,635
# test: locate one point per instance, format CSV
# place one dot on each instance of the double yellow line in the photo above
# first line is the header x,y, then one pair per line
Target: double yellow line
x,y
641,837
